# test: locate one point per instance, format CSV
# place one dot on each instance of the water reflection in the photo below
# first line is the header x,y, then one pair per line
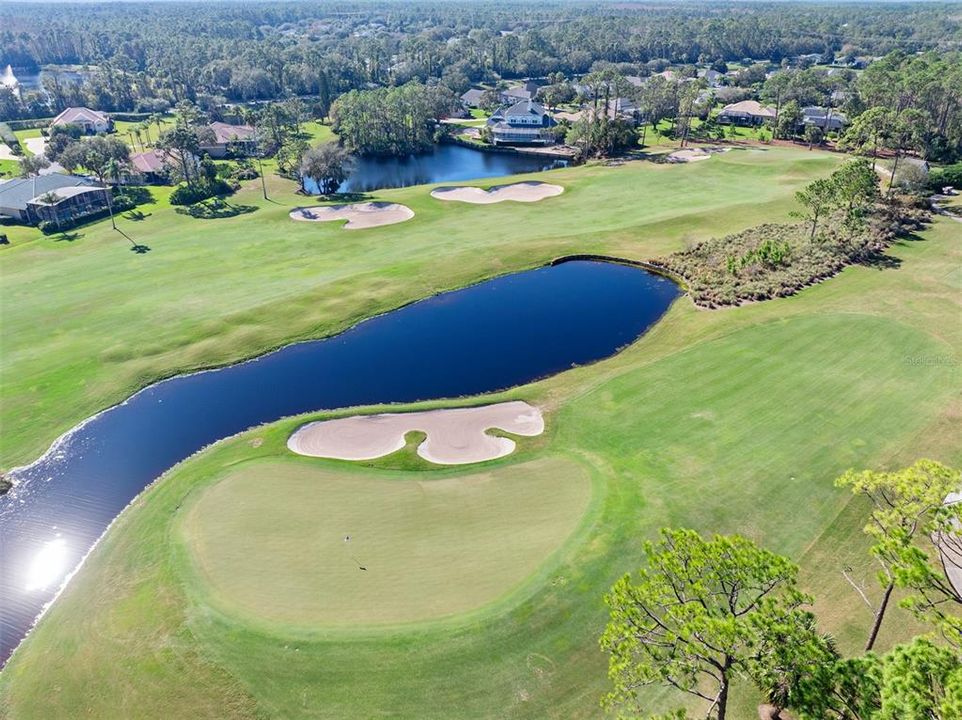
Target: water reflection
x,y
444,163
493,335
48,566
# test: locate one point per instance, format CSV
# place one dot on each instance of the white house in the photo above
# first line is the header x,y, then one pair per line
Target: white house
x,y
90,121
524,123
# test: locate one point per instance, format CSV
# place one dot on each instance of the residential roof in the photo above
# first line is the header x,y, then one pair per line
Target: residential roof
x,y
525,107
148,162
520,91
472,96
225,133
635,80
80,115
748,107
18,192
64,193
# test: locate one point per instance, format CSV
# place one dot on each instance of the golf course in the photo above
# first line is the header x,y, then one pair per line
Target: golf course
x,y
250,581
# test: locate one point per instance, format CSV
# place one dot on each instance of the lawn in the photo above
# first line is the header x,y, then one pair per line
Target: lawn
x,y
266,546
27,134
126,131
221,290
728,420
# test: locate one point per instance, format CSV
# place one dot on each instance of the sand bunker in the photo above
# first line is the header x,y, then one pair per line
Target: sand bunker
x,y
680,156
695,154
358,215
454,437
519,192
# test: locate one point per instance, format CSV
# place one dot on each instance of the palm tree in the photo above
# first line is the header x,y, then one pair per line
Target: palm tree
x,y
114,169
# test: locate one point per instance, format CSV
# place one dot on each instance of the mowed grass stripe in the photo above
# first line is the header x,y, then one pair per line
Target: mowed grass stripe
x,y
87,322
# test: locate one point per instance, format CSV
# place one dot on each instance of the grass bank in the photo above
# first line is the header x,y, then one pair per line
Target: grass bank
x,y
734,420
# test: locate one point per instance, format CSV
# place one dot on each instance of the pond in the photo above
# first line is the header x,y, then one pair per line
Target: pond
x,y
444,163
31,79
494,335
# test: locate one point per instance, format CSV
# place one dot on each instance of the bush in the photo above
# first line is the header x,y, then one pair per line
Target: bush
x,y
190,194
770,261
943,177
8,138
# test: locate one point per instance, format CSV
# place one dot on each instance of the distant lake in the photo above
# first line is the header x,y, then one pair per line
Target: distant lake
x,y
30,79
445,163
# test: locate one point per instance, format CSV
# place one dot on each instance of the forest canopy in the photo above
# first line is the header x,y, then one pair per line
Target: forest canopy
x,y
143,56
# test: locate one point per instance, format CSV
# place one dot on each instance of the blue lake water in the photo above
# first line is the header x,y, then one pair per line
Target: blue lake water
x,y
445,163
497,334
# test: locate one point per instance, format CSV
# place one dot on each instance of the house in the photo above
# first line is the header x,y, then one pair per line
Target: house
x,y
518,93
90,121
746,113
828,119
523,123
472,98
55,198
229,140
712,77
154,166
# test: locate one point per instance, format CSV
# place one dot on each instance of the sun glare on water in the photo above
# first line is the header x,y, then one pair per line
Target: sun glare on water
x,y
48,565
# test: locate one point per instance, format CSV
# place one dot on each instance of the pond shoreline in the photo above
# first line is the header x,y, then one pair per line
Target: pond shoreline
x,y
81,485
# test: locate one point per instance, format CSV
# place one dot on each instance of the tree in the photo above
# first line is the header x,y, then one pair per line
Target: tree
x,y
701,611
289,157
817,198
789,119
918,680
917,539
903,135
31,165
102,153
790,661
813,135
327,165
867,133
180,145
856,189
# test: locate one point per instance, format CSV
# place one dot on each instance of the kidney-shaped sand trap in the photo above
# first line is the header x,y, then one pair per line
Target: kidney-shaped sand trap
x,y
694,155
454,437
358,215
519,192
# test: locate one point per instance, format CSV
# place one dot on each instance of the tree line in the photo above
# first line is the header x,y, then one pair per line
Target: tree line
x,y
148,57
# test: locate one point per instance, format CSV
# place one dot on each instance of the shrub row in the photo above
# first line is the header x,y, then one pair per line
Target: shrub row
x,y
8,138
949,175
29,124
188,195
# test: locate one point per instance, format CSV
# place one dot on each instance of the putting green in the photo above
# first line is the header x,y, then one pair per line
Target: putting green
x,y
268,539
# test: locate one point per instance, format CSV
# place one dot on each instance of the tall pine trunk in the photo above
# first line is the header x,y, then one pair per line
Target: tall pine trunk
x,y
879,614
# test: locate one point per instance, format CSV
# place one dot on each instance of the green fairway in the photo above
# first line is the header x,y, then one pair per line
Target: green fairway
x,y
270,540
213,291
219,593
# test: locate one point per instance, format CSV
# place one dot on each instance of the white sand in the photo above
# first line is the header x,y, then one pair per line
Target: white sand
x,y
358,215
6,153
680,156
454,437
519,192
